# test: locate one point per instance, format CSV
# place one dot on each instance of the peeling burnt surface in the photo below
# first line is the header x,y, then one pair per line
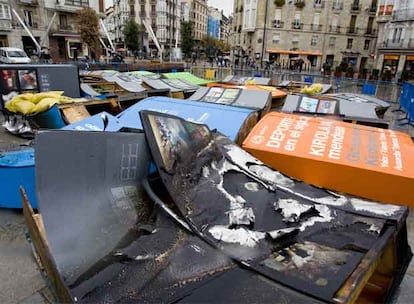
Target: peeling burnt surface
x,y
237,203
111,244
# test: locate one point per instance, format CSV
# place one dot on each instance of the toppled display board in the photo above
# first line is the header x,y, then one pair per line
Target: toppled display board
x,y
301,236
239,80
214,115
235,230
252,99
33,78
110,243
364,113
277,95
364,161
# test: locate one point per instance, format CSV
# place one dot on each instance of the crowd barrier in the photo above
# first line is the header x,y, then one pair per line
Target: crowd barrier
x,y
407,104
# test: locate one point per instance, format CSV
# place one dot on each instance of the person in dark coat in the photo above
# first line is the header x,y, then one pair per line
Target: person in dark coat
x,y
75,54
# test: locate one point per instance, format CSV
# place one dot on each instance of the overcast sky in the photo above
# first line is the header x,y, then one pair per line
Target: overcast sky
x,y
225,5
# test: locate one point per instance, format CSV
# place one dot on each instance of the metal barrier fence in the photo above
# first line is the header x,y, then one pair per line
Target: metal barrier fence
x,y
386,90
407,103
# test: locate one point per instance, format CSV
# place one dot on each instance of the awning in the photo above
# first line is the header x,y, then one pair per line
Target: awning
x,y
280,51
391,57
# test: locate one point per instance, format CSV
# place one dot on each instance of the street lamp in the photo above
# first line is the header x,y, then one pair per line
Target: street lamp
x,y
264,32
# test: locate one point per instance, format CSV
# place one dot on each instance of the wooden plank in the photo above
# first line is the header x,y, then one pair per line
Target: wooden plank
x,y
42,249
85,103
75,113
357,281
39,223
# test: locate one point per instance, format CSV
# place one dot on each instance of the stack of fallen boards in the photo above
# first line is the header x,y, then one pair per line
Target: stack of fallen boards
x,y
245,233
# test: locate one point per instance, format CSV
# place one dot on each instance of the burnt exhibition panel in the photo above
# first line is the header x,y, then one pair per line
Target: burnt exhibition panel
x,y
110,242
294,234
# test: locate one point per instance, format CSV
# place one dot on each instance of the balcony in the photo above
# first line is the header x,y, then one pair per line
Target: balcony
x,y
372,10
5,25
316,27
65,27
352,30
355,7
371,32
403,15
337,6
248,29
278,24
34,26
392,44
334,29
67,7
29,2
297,25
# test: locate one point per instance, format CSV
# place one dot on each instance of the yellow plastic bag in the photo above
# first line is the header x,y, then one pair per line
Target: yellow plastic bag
x,y
23,106
51,94
45,104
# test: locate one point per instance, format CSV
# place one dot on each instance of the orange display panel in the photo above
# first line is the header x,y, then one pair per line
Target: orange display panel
x,y
369,162
276,93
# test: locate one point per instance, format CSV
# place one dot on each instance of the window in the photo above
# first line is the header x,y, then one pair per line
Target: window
x,y
276,38
314,40
295,39
4,11
352,24
315,25
349,43
278,14
336,4
366,44
318,3
63,21
296,22
397,35
28,18
334,23
332,41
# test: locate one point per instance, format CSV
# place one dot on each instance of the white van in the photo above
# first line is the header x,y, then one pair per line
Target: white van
x,y
13,55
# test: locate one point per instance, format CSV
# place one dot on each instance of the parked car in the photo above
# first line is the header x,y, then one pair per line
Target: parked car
x,y
13,55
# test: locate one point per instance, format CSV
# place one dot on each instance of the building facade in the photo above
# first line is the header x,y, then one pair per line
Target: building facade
x,y
224,28
395,47
164,16
198,18
36,15
213,22
320,32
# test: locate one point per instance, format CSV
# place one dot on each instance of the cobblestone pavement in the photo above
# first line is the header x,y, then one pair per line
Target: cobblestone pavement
x,y
21,279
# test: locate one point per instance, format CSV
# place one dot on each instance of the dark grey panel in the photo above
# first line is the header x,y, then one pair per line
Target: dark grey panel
x,y
291,103
354,109
262,80
60,78
253,99
88,191
199,93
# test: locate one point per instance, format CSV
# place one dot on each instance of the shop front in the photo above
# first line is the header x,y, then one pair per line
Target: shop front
x,y
295,59
4,41
409,67
390,64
